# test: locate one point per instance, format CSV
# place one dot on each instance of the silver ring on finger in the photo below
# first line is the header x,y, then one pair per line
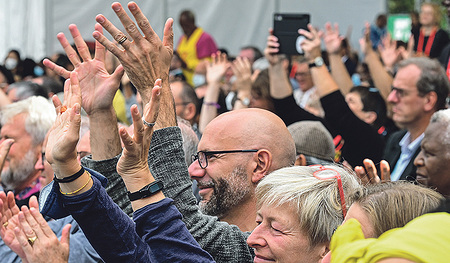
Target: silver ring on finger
x,y
148,124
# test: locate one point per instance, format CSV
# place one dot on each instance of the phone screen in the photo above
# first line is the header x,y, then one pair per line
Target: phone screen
x,y
285,28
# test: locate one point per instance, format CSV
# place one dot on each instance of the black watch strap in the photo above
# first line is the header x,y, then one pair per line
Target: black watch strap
x,y
146,191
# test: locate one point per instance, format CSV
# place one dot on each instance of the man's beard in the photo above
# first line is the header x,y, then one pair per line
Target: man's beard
x,y
227,193
14,177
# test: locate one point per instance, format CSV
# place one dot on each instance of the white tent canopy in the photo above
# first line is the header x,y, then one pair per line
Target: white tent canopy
x,y
30,26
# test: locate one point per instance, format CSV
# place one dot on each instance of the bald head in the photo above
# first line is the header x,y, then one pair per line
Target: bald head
x,y
254,129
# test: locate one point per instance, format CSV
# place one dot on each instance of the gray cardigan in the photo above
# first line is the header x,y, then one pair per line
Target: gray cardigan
x,y
226,243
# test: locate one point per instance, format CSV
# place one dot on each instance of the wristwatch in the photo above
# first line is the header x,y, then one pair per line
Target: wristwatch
x,y
318,62
244,101
146,191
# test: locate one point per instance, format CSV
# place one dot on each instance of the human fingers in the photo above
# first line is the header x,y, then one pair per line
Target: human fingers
x,y
151,109
336,28
70,52
40,221
385,171
371,171
100,51
23,240
25,216
361,173
127,23
118,36
82,48
75,90
58,70
138,125
142,21
65,235
10,199
56,103
168,35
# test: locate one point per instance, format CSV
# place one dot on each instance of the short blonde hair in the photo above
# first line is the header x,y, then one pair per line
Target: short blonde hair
x,y
316,201
393,204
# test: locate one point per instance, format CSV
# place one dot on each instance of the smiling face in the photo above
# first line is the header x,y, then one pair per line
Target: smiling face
x,y
225,183
433,161
279,238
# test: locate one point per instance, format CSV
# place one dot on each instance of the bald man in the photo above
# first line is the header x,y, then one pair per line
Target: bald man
x,y
236,151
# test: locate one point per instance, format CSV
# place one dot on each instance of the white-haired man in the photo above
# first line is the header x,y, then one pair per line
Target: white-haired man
x,y
27,122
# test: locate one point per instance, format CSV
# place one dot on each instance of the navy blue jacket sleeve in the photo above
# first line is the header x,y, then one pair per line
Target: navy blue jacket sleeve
x,y
160,225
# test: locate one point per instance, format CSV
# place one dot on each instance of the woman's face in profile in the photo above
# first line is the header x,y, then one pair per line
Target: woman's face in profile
x,y
279,238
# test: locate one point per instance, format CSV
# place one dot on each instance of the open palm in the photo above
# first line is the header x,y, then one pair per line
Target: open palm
x,y
98,86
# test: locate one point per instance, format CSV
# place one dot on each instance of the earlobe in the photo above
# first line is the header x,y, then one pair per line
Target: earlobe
x,y
301,160
263,159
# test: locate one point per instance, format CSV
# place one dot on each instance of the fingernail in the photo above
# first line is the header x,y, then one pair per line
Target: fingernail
x,y
100,19
77,109
116,8
132,7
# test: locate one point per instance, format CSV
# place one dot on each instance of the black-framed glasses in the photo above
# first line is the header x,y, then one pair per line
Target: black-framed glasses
x,y
43,158
202,156
325,173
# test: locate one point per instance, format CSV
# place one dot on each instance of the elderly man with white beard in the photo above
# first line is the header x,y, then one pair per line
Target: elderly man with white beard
x,y
27,123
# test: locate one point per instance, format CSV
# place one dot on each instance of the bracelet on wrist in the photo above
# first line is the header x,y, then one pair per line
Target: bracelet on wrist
x,y
148,190
79,189
70,178
215,104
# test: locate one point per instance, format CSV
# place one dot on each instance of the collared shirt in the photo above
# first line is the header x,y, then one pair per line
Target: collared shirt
x,y
408,150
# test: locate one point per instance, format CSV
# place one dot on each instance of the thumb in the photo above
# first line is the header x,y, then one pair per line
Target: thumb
x,y
4,149
65,234
118,73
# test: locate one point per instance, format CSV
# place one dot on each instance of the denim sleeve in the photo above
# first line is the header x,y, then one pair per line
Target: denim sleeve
x,y
160,225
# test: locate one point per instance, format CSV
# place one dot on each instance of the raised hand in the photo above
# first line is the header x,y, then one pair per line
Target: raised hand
x,y
133,164
311,45
64,134
389,52
332,39
242,69
146,57
272,48
217,68
371,177
37,239
98,86
365,43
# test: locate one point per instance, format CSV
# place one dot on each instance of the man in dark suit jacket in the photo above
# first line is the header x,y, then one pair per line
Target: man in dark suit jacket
x,y
419,89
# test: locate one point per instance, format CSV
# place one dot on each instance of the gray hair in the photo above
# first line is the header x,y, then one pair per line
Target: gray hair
x,y
443,116
432,78
40,116
26,89
190,139
316,201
